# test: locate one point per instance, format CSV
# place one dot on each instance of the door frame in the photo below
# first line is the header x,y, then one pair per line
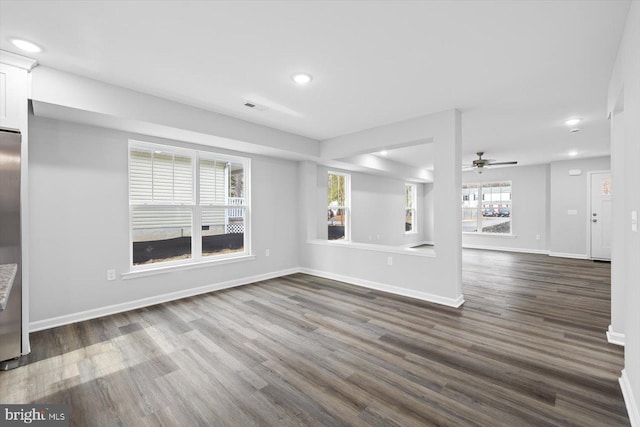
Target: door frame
x,y
589,176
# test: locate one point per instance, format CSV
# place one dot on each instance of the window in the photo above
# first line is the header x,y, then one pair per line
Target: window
x,y
486,207
186,205
338,205
410,205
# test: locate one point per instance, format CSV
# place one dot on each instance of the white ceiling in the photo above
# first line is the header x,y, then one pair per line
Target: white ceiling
x,y
516,69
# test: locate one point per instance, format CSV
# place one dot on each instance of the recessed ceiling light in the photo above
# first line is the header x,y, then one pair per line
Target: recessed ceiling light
x,y
384,152
572,122
573,153
26,46
301,78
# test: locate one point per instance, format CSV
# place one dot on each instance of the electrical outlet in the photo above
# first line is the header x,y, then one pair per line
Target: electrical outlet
x,y
537,237
111,275
389,260
267,252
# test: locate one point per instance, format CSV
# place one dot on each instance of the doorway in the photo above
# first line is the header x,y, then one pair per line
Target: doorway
x,y
600,215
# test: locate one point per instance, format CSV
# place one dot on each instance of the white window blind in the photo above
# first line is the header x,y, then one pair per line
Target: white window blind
x,y
160,178
212,182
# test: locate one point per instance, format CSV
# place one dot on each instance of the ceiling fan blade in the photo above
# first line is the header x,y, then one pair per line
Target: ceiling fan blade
x,y
468,168
502,163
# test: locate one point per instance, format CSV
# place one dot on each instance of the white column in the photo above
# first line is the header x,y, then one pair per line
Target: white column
x,y
447,233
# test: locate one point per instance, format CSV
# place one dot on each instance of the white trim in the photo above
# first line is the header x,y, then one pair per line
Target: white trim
x,y
506,249
568,255
18,61
423,296
146,302
377,248
186,266
615,337
629,401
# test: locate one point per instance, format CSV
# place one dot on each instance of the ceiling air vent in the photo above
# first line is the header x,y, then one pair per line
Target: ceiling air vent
x,y
255,106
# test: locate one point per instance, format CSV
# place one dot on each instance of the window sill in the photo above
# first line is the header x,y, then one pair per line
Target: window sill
x,y
410,233
171,268
501,235
429,253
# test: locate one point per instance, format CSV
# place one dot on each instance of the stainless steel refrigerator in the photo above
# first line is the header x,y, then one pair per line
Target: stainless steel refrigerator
x,y
10,250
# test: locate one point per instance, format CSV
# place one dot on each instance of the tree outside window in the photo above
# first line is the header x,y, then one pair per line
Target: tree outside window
x,y
338,205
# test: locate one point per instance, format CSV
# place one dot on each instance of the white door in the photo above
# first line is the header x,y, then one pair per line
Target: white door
x,y
600,217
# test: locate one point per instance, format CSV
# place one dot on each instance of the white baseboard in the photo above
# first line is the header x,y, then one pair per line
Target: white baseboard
x,y
629,401
507,249
568,255
146,302
424,296
615,337
67,319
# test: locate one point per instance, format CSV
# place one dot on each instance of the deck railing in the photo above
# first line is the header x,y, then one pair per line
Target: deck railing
x,y
235,212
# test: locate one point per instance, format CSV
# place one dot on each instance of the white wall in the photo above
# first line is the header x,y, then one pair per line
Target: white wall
x,y
529,211
80,226
624,95
569,236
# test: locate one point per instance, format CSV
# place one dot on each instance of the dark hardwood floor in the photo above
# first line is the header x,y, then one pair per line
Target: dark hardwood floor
x,y
527,348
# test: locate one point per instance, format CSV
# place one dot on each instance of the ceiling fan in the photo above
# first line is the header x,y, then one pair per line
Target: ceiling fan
x,y
479,164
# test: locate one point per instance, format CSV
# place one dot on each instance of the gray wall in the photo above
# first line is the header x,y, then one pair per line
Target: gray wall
x,y
378,211
427,212
569,232
542,197
80,227
529,212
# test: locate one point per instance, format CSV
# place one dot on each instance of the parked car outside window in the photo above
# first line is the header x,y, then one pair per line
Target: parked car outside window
x,y
504,212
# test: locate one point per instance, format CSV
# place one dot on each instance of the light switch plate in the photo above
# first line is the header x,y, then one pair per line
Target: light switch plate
x,y
572,212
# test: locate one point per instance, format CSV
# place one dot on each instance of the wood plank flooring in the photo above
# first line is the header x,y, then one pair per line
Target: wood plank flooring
x,y
527,348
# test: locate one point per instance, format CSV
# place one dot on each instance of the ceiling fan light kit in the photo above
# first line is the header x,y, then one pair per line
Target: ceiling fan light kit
x,y
479,164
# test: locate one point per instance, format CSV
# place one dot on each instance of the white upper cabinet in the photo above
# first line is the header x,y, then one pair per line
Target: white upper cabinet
x,y
14,90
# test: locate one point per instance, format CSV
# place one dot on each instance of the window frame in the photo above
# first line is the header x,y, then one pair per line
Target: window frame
x,y
478,186
346,207
194,206
413,208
